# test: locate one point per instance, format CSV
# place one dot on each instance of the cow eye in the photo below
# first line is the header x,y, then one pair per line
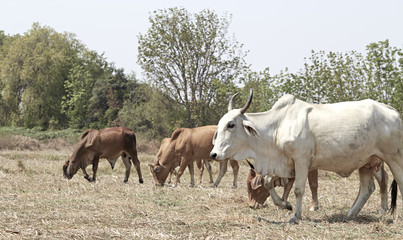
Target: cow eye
x,y
230,125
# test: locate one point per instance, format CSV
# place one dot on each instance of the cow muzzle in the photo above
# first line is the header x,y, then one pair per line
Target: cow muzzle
x,y
213,155
67,171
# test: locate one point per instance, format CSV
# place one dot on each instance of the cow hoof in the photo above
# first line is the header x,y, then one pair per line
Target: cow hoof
x,y
293,220
288,206
191,185
314,208
126,180
234,187
213,186
141,181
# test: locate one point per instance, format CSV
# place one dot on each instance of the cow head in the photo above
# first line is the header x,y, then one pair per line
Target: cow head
x,y
81,156
159,173
257,193
233,133
160,169
69,169
65,166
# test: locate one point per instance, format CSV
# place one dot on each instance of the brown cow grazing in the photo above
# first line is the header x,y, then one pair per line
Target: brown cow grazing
x,y
258,191
185,146
109,143
199,163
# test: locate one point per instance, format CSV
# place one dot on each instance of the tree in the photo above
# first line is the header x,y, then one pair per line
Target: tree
x,y
32,70
108,96
149,111
83,75
185,55
263,90
382,67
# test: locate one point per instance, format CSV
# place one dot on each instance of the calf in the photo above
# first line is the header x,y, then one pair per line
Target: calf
x,y
258,188
109,143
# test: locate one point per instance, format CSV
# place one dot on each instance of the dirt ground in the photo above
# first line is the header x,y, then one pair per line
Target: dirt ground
x,y
36,202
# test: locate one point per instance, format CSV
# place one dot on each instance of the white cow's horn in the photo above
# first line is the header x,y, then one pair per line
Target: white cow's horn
x,y
231,101
243,110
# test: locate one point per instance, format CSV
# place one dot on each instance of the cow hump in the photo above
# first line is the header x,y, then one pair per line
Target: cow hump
x,y
284,101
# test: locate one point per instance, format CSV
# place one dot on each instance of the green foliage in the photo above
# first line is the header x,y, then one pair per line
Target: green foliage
x,y
327,77
335,77
71,135
151,113
384,71
108,96
33,70
263,90
79,85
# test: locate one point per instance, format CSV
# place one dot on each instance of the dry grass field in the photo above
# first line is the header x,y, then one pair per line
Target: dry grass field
x,y
36,202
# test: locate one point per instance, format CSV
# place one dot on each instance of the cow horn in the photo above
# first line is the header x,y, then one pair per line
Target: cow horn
x,y
231,101
250,164
243,110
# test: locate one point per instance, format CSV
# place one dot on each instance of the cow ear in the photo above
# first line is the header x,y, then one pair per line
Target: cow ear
x,y
151,167
250,129
252,172
256,182
214,138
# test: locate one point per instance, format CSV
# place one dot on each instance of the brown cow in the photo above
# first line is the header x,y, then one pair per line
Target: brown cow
x,y
199,163
258,191
185,146
109,143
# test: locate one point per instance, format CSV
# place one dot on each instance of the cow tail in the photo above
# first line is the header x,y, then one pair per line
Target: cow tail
x,y
133,140
393,188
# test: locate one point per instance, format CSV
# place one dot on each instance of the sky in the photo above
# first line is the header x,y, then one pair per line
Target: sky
x,y
277,34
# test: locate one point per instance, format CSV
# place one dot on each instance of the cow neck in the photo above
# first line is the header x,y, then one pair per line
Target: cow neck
x,y
264,147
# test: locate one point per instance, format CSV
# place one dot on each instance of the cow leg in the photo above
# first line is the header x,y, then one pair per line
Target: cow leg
x,y
208,167
381,177
128,165
192,173
136,164
287,188
396,167
223,170
301,175
313,185
95,163
182,168
86,176
367,187
200,165
235,170
173,171
269,185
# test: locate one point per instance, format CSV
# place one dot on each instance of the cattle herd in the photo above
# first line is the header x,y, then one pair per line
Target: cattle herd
x,y
289,144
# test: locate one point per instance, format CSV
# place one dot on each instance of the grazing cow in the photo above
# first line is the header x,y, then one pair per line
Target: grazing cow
x,y
199,163
187,145
295,137
258,193
109,143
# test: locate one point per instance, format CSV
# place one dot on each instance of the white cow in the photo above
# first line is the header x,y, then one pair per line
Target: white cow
x,y
295,137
